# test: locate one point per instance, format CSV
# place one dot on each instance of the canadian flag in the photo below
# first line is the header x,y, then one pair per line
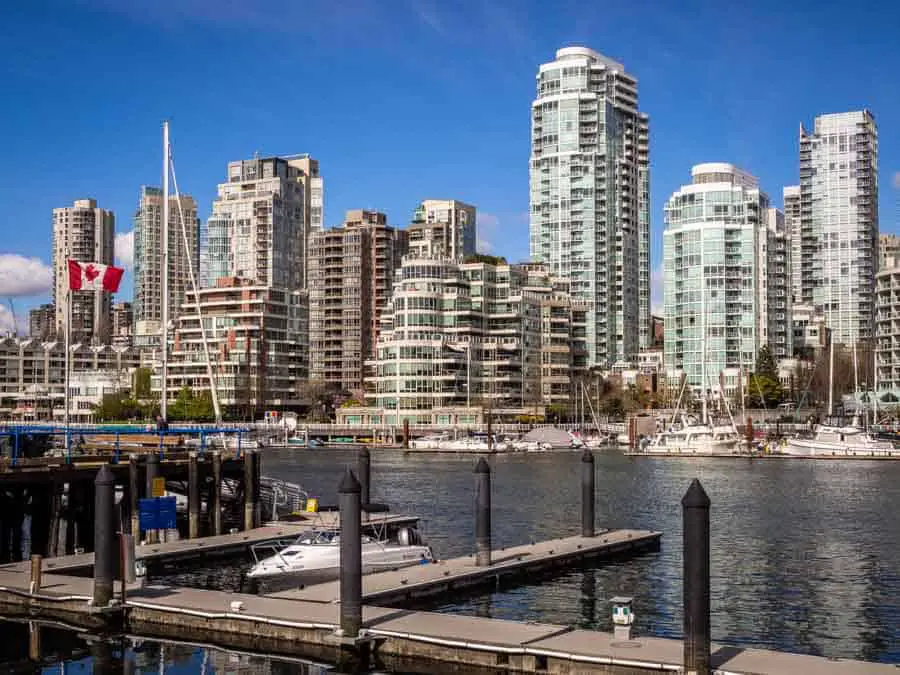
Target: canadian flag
x,y
91,276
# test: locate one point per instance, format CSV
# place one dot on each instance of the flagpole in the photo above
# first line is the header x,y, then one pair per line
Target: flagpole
x,y
68,350
164,333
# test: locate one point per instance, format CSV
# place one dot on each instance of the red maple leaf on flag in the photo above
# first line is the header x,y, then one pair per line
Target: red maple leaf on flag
x,y
90,272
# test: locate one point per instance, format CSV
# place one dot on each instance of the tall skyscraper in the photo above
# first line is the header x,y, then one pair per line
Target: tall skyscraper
x,y
351,271
719,251
839,222
42,322
792,225
589,197
148,291
261,220
85,233
443,228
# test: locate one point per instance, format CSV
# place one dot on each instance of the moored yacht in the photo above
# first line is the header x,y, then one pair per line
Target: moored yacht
x,y
835,441
689,437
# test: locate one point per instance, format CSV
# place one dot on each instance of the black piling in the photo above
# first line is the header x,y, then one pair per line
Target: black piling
x,y
250,490
351,555
406,434
106,548
193,496
364,474
695,515
215,502
152,473
102,657
134,493
587,493
482,513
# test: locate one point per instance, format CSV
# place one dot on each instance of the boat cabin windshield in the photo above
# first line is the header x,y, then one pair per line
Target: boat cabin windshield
x,y
325,538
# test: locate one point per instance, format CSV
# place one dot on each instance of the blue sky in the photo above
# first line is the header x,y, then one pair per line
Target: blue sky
x,y
404,100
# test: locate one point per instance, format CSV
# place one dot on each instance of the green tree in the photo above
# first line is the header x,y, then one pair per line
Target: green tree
x,y
765,363
485,258
181,408
109,409
201,409
141,383
763,391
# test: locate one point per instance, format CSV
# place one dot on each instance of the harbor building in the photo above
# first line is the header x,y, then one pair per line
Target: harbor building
x,y
257,337
589,196
86,233
350,281
184,255
475,336
839,222
261,220
443,228
727,274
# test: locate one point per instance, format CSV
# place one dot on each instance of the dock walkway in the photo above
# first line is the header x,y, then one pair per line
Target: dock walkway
x,y
396,586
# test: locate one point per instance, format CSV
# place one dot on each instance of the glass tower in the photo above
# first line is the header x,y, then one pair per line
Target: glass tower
x,y
589,176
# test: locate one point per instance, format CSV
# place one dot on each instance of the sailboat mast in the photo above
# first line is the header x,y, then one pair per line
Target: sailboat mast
x,y
704,418
164,276
830,374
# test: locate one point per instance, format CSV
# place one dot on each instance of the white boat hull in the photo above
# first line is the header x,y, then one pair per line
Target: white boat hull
x,y
803,447
375,558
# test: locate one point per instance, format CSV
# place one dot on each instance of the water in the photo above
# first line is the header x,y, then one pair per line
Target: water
x,y
805,555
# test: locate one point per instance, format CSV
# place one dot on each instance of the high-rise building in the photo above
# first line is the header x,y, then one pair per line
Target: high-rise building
x,y
261,220
257,339
351,271
726,276
792,225
42,322
184,256
123,324
887,328
888,251
839,222
474,335
589,198
443,228
85,233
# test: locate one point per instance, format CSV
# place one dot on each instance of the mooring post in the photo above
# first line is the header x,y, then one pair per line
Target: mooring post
x,y
105,548
364,473
587,493
695,517
34,641
37,563
215,502
351,555
406,434
490,435
152,473
101,657
249,490
482,513
193,496
134,482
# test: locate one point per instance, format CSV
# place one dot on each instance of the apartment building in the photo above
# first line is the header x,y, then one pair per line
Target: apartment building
x,y
839,222
42,322
727,274
86,233
123,324
887,329
589,196
476,335
257,337
183,259
793,226
261,220
888,251
443,228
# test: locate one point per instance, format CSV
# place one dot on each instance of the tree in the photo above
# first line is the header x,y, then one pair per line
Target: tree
x,y
485,258
141,383
765,363
763,386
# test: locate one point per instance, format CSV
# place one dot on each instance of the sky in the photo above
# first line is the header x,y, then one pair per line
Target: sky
x,y
404,100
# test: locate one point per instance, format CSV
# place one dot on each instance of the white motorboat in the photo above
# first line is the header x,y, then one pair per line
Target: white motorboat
x,y
474,443
429,442
834,441
315,557
693,438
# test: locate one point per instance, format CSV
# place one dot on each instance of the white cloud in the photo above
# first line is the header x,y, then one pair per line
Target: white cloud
x,y
23,277
656,291
8,326
125,249
487,224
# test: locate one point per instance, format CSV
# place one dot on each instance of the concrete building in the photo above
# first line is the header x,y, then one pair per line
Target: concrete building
x,y
350,281
810,331
184,255
839,222
85,233
261,220
32,375
42,322
257,336
589,198
443,228
887,330
792,225
123,324
726,275
463,336
888,251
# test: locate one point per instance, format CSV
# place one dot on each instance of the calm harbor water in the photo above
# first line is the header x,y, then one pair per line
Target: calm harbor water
x,y
805,555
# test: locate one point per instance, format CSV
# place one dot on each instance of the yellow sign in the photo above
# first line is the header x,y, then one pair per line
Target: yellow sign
x,y
312,505
159,487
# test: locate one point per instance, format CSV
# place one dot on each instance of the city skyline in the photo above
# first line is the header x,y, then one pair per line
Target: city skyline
x,y
429,151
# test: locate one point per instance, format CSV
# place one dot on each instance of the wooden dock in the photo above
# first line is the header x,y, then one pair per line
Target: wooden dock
x,y
444,576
